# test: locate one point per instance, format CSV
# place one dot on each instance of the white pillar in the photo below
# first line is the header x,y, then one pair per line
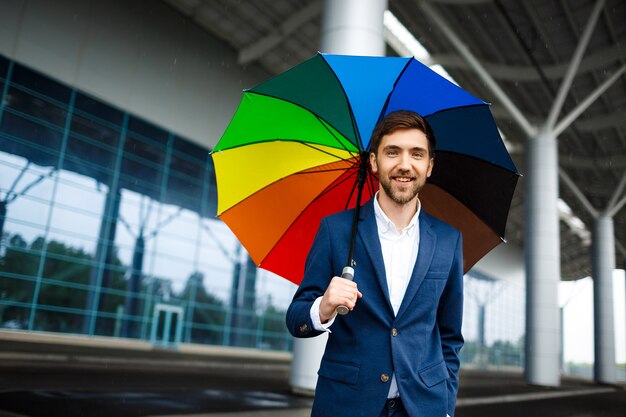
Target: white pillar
x,y
542,253
353,27
349,27
603,263
307,355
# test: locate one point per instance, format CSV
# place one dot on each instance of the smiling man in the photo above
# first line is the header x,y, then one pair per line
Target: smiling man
x,y
396,352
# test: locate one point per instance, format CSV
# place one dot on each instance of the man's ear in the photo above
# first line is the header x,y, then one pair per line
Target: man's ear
x,y
373,162
431,164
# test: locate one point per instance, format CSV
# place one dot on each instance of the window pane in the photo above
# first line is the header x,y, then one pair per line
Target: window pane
x,y
4,67
35,142
183,189
36,108
28,190
91,108
78,211
35,81
142,165
92,149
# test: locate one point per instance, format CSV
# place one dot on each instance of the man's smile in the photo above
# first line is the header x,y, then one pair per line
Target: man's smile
x,y
403,179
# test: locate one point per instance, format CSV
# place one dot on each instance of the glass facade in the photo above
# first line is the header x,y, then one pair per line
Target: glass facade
x,y
108,227
493,323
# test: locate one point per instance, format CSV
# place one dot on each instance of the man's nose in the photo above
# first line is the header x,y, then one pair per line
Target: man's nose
x,y
405,161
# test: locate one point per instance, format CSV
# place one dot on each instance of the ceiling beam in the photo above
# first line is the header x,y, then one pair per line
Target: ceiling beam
x,y
525,73
565,179
447,30
564,89
581,107
614,206
591,163
294,22
589,124
461,2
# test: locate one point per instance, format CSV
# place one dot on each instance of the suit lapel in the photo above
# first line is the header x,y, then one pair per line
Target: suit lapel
x,y
427,243
368,233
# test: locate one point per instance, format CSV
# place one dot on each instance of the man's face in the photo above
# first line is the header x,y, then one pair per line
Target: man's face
x,y
402,164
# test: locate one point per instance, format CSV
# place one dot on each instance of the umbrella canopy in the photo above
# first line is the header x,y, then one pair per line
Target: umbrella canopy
x,y
297,142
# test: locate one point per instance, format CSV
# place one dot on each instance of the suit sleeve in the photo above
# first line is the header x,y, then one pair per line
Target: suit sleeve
x,y
318,272
449,320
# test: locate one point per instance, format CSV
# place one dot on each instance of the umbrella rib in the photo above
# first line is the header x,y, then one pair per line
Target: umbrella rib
x,y
317,171
323,151
326,191
325,124
345,94
395,83
329,189
370,184
354,185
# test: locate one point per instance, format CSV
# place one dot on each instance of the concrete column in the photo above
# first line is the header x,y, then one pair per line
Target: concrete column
x,y
542,253
353,27
603,263
349,27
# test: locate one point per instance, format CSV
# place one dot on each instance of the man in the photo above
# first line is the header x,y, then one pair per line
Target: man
x,y
396,352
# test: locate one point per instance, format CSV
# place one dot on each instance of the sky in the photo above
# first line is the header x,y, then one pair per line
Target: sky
x,y
577,299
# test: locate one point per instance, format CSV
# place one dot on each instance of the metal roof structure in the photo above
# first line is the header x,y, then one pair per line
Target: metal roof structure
x,y
535,52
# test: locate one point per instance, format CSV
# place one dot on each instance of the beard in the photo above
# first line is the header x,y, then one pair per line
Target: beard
x,y
402,195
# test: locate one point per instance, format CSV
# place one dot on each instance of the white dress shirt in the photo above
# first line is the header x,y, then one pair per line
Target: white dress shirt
x,y
399,255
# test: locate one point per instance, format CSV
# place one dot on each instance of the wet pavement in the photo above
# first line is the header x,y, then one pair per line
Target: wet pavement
x,y
56,376
145,403
482,394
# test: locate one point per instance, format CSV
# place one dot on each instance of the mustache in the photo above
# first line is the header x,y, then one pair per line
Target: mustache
x,y
402,173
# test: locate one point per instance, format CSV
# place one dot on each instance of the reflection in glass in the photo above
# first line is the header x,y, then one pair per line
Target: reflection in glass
x,y
107,225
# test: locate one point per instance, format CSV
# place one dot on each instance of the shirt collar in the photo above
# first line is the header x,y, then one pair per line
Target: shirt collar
x,y
384,223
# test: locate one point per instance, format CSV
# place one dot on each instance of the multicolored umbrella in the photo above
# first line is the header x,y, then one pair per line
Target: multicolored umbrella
x,y
297,142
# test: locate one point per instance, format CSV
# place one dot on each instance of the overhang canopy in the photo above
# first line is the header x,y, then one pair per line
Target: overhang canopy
x,y
526,47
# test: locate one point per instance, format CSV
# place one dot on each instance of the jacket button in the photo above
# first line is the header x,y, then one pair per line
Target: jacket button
x,y
384,378
394,332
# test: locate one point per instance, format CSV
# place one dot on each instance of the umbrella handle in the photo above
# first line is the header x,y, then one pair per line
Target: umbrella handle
x,y
347,273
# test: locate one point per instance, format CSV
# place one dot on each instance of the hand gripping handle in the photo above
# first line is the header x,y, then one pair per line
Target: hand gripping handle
x,y
347,273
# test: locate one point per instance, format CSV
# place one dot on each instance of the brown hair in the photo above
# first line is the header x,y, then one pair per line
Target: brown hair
x,y
402,119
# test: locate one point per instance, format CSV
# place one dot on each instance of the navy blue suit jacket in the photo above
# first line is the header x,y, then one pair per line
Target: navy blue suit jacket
x,y
361,347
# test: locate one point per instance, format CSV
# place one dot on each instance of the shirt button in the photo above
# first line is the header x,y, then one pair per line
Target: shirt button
x,y
394,332
384,378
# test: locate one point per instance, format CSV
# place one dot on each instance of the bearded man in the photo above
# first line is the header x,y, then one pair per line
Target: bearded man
x,y
397,352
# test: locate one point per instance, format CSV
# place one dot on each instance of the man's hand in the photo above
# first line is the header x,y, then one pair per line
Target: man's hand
x,y
340,292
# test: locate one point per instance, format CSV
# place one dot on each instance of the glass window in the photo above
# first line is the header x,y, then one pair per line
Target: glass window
x,y
92,109
29,139
181,190
187,174
4,67
36,107
92,149
142,165
108,255
20,261
44,86
76,216
175,249
211,193
26,191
